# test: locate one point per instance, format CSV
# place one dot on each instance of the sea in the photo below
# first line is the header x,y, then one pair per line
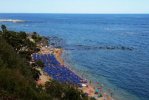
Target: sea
x,y
111,49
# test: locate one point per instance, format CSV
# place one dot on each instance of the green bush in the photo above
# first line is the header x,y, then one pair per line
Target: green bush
x,y
62,91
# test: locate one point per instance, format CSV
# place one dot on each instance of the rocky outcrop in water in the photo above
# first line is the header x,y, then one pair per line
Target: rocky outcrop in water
x,y
100,47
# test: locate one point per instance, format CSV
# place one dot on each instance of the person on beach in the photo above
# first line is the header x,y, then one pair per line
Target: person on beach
x,y
90,82
111,94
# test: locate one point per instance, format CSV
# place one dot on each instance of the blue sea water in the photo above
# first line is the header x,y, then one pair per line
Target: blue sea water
x,y
110,49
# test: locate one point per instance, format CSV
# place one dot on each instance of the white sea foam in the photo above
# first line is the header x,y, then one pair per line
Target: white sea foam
x,y
12,20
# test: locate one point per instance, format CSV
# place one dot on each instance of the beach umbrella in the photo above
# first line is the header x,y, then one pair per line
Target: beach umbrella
x,y
84,85
96,91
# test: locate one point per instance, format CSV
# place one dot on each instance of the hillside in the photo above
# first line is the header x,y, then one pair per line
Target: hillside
x,y
18,77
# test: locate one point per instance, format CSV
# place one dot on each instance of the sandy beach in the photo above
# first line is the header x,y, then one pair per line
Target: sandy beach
x,y
43,77
88,88
58,53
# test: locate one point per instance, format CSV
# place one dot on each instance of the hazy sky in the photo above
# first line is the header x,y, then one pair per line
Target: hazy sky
x,y
74,6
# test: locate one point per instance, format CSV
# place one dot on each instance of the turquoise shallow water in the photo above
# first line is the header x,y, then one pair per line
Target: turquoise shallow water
x,y
111,49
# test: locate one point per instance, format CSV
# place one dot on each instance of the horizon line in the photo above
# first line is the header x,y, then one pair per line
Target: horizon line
x,y
62,13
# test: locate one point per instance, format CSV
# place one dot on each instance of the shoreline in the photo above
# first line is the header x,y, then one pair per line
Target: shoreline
x,y
92,85
88,87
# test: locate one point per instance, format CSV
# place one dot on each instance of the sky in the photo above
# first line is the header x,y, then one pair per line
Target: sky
x,y
74,6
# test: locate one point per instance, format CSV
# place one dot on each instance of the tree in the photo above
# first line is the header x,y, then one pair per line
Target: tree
x,y
36,74
0,33
22,35
36,37
4,28
40,63
62,91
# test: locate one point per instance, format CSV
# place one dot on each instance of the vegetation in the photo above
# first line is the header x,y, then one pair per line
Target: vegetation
x,y
39,63
64,92
18,78
36,37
